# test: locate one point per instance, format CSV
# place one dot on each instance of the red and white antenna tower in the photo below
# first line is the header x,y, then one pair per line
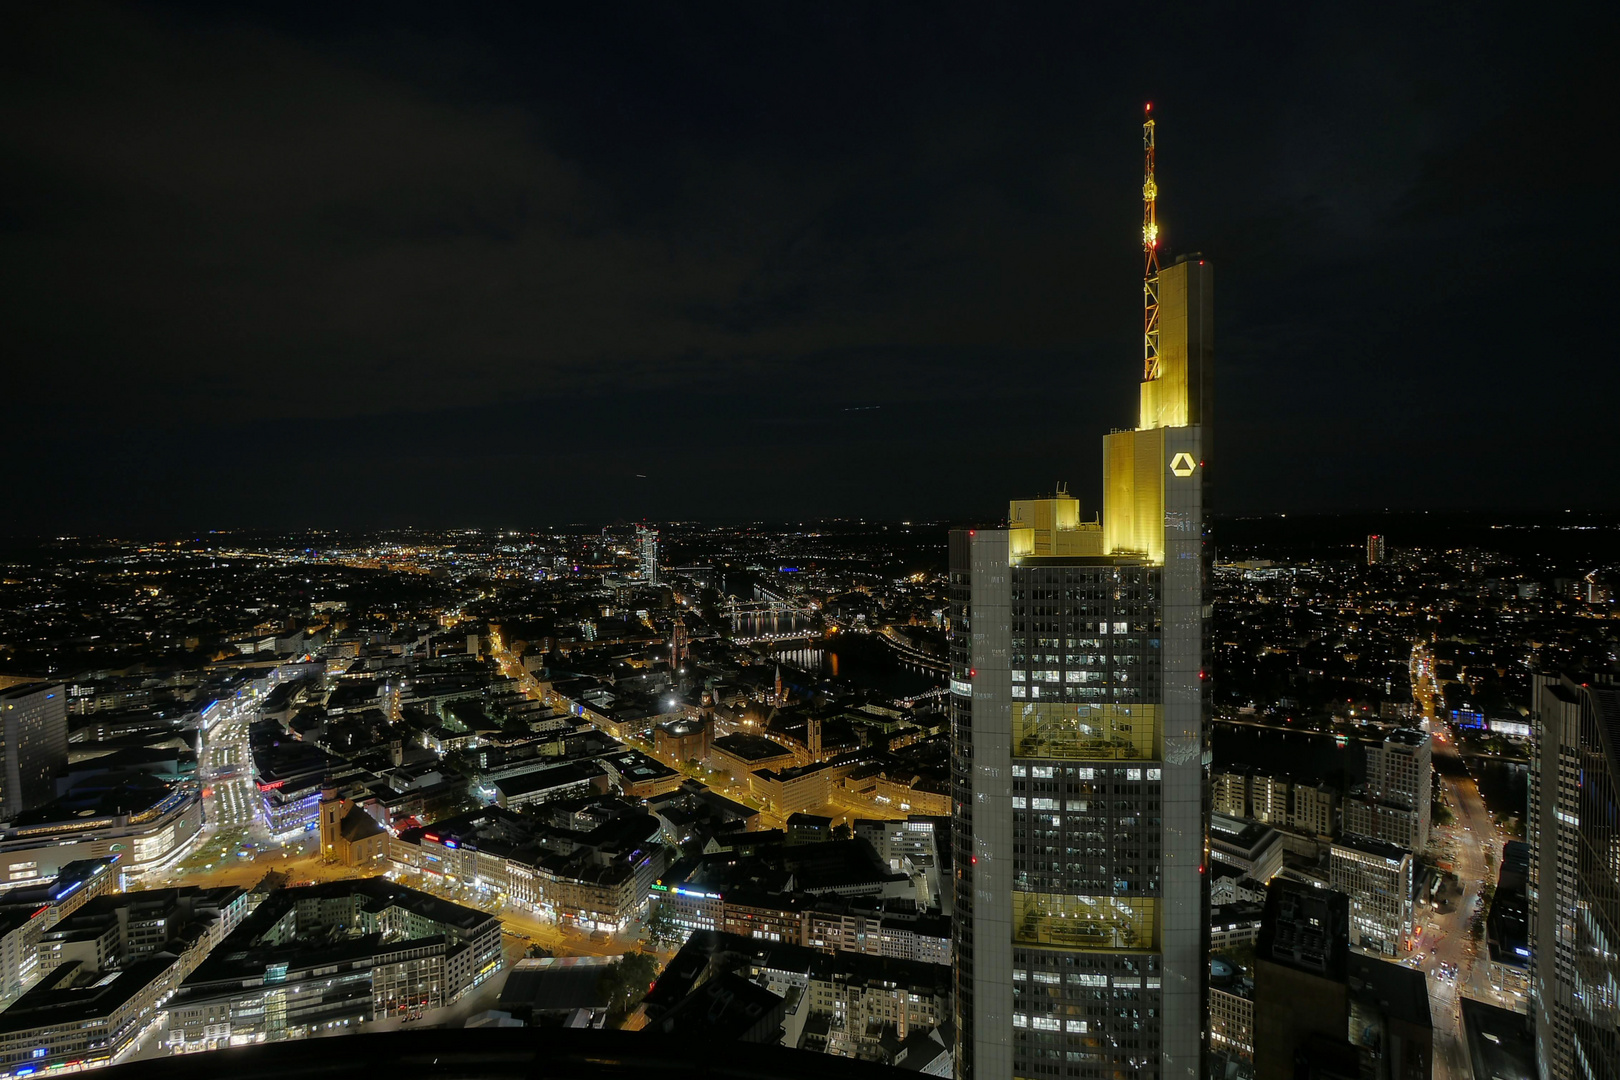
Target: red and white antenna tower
x,y
1150,253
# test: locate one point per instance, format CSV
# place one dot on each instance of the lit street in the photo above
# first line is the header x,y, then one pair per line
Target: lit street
x,y
1472,849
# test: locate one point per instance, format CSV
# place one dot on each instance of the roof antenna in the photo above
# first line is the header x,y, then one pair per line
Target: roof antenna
x,y
1150,253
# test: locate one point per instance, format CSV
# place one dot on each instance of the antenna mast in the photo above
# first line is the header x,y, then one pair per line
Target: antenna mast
x,y
1150,253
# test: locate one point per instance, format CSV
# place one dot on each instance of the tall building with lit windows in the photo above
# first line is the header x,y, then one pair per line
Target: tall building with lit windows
x,y
1079,760
647,554
33,745
1574,886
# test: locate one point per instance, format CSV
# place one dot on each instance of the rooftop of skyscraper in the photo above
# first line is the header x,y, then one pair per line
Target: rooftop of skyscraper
x,y
1305,928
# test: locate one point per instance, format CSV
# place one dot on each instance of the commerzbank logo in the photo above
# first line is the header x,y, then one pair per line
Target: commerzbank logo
x,y
1183,464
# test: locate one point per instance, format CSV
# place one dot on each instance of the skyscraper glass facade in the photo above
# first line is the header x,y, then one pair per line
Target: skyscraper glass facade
x,y
1078,699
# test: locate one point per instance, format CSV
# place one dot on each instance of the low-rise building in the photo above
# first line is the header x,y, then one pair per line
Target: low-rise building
x,y
114,931
145,840
291,777
858,1005
318,958
83,1018
866,1000
349,835
682,740
548,783
853,926
740,754
637,776
1254,848
1233,926
591,863
28,912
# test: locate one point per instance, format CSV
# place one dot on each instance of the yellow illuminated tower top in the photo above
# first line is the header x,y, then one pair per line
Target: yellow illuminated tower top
x,y
1176,336
1177,368
1170,443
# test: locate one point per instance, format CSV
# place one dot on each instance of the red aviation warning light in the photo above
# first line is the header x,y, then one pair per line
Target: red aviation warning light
x,y
1150,253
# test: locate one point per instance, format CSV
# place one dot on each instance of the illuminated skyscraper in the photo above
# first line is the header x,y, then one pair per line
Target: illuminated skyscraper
x,y
33,745
1394,807
1078,704
1375,550
1574,888
647,545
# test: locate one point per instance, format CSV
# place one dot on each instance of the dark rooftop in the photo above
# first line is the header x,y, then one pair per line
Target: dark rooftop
x,y
1399,991
53,1003
556,984
750,747
1305,928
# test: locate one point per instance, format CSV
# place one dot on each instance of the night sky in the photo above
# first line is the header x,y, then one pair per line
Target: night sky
x,y
275,266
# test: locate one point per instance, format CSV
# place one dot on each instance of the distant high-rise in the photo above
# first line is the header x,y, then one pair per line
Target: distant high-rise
x,y
1375,550
35,747
679,644
1395,806
1078,700
1574,888
647,552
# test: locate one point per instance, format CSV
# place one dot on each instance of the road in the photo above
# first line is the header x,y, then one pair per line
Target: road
x,y
1472,846
231,838
511,668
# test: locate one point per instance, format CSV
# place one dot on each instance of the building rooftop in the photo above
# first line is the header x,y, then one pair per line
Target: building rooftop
x,y
556,984
751,747
1399,991
56,1003
69,879
1500,1043
725,1008
1305,928
572,772
1239,835
252,946
1373,847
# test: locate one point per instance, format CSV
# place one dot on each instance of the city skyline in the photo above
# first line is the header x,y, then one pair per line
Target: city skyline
x,y
565,529
744,768
675,266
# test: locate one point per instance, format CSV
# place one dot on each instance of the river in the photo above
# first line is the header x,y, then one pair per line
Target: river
x,y
858,661
1502,784
1301,756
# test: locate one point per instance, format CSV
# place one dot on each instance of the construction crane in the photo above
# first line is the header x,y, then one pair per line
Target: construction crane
x,y
1150,253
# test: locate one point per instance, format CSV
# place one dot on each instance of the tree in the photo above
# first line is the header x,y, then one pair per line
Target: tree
x,y
625,983
661,927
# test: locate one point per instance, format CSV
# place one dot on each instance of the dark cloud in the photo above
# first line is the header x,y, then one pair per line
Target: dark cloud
x,y
270,264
